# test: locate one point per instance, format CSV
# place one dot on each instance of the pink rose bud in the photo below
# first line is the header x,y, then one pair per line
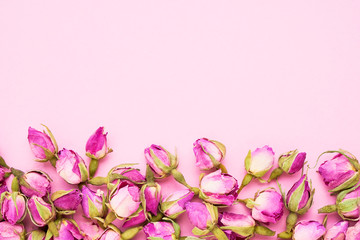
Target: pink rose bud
x,y
66,201
127,175
135,220
71,167
41,144
124,200
290,162
300,197
41,212
243,224
337,232
36,235
208,153
93,203
89,228
96,146
110,234
261,161
151,195
68,230
199,215
219,188
305,230
13,207
339,173
174,204
35,183
268,206
353,233
162,230
11,232
160,160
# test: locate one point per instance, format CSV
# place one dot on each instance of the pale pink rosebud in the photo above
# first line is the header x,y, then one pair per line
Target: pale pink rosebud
x,y
268,206
305,230
41,144
174,204
124,200
35,183
160,160
88,227
199,215
208,153
162,230
71,167
11,232
68,230
261,161
353,233
110,234
244,222
13,207
337,232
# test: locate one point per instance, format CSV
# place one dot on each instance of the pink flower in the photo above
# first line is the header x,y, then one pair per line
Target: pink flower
x,y
174,204
125,200
11,232
261,161
96,146
337,232
13,207
268,206
71,167
162,230
41,144
209,153
160,160
35,183
305,230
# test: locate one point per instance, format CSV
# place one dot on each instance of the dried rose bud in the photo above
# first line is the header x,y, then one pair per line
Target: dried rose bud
x,y
93,203
124,200
208,153
110,234
243,225
290,162
219,188
150,195
199,215
41,212
160,160
96,146
11,232
135,220
35,183
337,232
174,204
71,167
42,145
353,233
339,172
36,235
66,201
68,229
161,230
299,198
128,175
13,207
88,227
306,230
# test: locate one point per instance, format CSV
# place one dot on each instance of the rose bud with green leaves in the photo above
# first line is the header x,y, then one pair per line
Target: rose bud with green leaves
x,y
88,227
150,197
305,230
93,202
174,204
136,219
13,207
208,153
35,183
290,162
257,164
353,233
162,230
339,172
123,173
96,149
219,188
68,230
11,232
66,201
337,232
298,201
241,226
71,167
347,204
41,212
267,206
43,145
36,235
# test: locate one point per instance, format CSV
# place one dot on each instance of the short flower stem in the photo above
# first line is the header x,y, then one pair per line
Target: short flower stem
x,y
219,234
109,218
94,163
53,228
247,179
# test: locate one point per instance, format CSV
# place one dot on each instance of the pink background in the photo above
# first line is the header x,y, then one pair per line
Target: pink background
x,y
168,72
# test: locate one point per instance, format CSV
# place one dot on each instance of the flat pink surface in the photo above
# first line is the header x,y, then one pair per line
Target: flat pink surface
x,y
168,72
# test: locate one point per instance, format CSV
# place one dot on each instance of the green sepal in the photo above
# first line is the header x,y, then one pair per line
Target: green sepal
x,y
3,163
327,209
53,229
242,231
275,174
246,180
98,181
199,232
219,234
83,172
51,137
15,187
59,194
264,231
247,161
130,233
285,235
347,184
93,166
37,235
164,168
179,177
286,160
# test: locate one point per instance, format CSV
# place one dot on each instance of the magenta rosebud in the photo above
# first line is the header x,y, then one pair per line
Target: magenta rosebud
x,y
135,220
299,198
68,230
11,232
160,160
126,175
151,195
290,162
339,173
268,206
208,153
219,188
174,204
353,233
13,207
36,235
35,183
162,230
40,211
71,167
41,144
243,226
124,200
96,146
199,215
305,230
110,234
66,200
93,203
337,232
